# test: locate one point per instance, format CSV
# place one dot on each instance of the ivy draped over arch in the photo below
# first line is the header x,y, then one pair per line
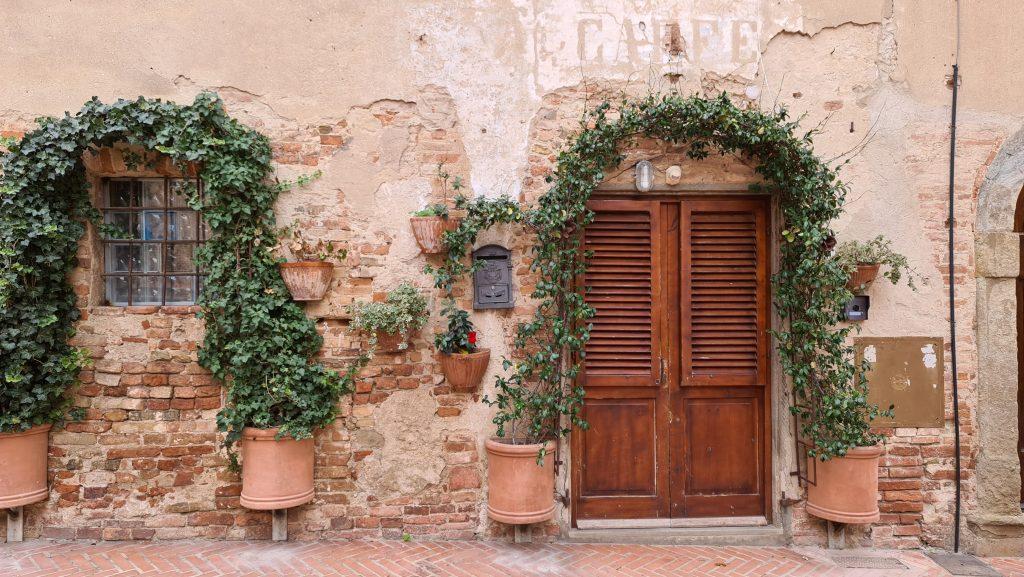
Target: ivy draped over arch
x,y
258,341
539,386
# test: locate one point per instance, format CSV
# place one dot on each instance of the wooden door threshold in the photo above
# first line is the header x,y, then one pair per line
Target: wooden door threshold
x,y
692,522
753,536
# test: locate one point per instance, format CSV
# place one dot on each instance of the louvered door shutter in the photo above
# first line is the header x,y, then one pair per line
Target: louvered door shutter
x,y
621,284
724,292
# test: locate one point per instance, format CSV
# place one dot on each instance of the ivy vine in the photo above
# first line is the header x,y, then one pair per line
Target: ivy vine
x,y
540,397
258,341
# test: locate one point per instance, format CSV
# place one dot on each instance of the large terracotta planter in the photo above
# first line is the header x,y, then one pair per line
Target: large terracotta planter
x,y
428,231
519,491
865,273
276,473
307,280
23,466
465,371
845,489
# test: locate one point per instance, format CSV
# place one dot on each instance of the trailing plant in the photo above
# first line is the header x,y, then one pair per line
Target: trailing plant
x,y
293,242
459,338
403,311
539,396
258,342
878,251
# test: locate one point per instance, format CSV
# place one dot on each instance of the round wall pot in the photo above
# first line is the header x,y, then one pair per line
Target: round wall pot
x,y
865,273
307,280
465,371
519,491
23,457
276,473
846,488
428,231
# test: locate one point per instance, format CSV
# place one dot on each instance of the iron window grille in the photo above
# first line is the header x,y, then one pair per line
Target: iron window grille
x,y
151,259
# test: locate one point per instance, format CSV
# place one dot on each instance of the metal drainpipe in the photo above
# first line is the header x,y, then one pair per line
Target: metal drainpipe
x,y
952,312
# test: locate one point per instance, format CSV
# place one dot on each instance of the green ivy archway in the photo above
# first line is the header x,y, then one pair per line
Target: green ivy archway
x,y
258,341
539,394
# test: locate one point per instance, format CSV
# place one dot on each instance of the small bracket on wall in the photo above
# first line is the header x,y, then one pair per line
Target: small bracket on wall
x,y
524,534
279,530
15,524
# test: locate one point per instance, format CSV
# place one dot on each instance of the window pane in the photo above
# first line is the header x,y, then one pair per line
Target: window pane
x,y
120,256
117,290
179,257
181,191
151,258
125,222
122,193
181,290
181,225
153,225
152,193
146,290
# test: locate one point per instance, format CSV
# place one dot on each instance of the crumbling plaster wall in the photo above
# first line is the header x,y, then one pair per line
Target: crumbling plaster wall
x,y
374,95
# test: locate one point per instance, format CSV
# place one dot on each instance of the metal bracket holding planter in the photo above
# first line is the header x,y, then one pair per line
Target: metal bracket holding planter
x,y
16,524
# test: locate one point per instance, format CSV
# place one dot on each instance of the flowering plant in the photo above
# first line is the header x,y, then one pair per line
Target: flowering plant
x,y
460,338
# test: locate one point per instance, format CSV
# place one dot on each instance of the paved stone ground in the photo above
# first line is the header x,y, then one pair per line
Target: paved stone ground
x,y
441,559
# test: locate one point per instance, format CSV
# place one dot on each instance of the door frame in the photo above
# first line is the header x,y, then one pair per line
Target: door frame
x,y
573,472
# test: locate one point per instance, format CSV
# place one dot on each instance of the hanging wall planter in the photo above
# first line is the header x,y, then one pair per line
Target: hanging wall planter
x,y
845,489
23,456
392,322
392,342
276,473
428,231
309,275
520,491
464,371
307,280
863,260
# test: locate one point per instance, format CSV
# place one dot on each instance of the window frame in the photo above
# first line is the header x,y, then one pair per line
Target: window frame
x,y
138,211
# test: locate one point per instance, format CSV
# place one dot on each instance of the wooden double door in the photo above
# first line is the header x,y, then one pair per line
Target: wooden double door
x,y
676,371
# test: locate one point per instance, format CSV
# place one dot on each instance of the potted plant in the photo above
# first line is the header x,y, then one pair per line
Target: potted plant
x,y
308,274
31,401
430,223
391,322
462,362
862,261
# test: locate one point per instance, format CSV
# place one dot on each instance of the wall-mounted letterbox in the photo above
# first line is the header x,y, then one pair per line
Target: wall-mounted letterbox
x,y
492,283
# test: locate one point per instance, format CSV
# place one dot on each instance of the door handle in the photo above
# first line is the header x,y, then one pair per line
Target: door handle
x,y
661,371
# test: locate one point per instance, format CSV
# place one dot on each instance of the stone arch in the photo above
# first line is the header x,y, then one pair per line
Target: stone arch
x,y
997,523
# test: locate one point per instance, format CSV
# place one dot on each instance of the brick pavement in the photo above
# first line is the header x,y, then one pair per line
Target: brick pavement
x,y
438,559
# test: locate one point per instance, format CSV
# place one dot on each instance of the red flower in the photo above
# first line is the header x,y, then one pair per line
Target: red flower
x,y
472,337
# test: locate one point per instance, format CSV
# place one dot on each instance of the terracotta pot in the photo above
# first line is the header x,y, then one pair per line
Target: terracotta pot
x,y
23,466
519,491
276,473
392,342
865,273
428,230
307,280
845,489
465,371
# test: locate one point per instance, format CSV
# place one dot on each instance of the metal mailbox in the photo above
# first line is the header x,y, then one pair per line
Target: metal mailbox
x,y
492,283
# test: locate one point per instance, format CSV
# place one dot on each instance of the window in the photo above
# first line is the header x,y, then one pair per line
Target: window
x,y
150,260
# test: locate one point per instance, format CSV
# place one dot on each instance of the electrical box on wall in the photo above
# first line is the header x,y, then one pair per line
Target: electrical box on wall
x,y
857,308
492,284
907,373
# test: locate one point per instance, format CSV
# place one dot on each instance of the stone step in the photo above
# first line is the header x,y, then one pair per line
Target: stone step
x,y
765,536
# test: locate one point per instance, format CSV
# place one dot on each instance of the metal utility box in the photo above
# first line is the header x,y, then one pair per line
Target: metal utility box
x,y
492,284
906,372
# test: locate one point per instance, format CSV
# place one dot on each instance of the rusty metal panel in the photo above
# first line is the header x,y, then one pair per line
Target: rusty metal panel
x,y
906,372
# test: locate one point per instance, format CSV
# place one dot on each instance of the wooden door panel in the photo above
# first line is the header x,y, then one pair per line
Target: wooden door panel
x,y
620,280
619,459
724,298
619,448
